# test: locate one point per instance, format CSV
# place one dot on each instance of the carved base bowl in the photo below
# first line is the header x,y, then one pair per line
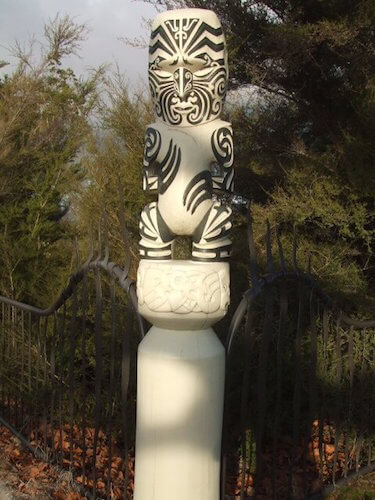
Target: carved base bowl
x,y
183,294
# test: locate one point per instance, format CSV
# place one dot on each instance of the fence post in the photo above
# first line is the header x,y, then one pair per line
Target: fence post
x,y
181,363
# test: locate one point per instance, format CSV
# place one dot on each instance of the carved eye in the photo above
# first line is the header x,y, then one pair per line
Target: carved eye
x,y
207,66
167,65
161,73
203,73
216,169
195,64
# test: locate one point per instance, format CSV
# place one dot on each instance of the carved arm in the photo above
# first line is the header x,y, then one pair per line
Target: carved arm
x,y
150,163
222,169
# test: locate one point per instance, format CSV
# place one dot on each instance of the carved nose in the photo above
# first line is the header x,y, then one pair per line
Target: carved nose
x,y
183,79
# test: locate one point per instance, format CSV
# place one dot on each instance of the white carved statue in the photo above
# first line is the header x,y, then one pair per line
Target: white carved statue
x,y
188,150
181,363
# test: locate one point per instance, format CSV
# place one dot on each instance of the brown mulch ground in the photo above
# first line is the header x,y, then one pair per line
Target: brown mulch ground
x,y
28,477
23,476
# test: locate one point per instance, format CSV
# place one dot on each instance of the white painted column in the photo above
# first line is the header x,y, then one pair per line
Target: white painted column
x,y
179,415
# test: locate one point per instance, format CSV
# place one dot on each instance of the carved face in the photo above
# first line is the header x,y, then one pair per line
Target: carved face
x,y
188,69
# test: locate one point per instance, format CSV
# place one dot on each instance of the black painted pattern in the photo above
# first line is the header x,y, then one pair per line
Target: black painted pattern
x,y
169,167
222,147
156,236
205,254
220,225
152,146
159,253
211,241
187,71
147,226
198,190
150,166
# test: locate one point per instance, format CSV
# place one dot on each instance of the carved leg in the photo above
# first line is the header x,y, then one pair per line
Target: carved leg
x,y
211,240
156,238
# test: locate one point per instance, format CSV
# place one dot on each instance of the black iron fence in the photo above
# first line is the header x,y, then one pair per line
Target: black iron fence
x,y
300,399
299,403
67,376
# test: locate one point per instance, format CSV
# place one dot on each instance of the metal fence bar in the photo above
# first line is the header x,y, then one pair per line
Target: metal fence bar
x,y
297,383
283,311
35,416
84,375
362,415
262,381
322,458
72,356
21,423
347,457
337,399
2,355
6,362
61,384
125,379
98,372
53,380
111,386
312,369
44,411
248,344
371,409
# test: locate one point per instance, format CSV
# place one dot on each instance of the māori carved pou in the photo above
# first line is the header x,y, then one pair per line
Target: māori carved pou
x,y
188,150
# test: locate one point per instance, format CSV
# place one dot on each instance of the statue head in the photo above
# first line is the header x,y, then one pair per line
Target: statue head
x,y
188,69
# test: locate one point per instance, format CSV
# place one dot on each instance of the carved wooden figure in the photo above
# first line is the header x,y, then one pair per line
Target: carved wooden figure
x,y
188,155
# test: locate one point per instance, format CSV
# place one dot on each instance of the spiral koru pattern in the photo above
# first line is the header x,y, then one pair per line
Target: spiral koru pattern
x,y
152,146
222,146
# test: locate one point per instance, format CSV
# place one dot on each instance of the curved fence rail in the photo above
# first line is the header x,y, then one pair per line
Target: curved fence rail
x,y
67,380
299,403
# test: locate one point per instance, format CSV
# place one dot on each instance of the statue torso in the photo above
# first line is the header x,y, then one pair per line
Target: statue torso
x,y
184,159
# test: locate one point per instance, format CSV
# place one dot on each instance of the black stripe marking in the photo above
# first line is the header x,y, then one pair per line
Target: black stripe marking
x,y
204,27
206,187
165,36
204,196
145,235
206,42
147,211
158,45
164,231
169,167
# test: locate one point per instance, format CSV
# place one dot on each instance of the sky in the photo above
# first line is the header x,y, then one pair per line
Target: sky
x,y
108,20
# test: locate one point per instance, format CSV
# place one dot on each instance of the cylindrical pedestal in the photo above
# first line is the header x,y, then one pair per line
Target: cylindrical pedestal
x,y
179,415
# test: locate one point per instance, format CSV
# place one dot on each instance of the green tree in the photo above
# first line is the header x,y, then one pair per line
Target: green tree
x,y
44,123
113,163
